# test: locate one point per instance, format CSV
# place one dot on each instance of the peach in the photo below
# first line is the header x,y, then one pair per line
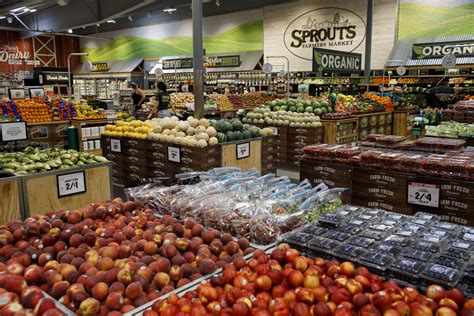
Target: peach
x,y
161,280
44,305
100,291
89,306
59,289
207,266
114,301
134,290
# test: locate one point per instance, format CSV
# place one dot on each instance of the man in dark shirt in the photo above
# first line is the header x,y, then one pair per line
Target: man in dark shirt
x,y
163,101
443,88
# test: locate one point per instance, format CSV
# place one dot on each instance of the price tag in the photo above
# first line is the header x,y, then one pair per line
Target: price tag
x,y
174,154
36,93
115,145
243,150
423,194
13,131
71,183
16,94
274,130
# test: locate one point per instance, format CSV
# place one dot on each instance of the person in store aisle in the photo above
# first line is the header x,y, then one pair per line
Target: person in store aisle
x,y
442,88
138,98
162,102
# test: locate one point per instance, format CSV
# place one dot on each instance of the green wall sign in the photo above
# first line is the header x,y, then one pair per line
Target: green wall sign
x,y
325,60
438,50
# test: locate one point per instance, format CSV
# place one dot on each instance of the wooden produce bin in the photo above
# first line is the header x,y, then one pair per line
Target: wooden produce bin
x,y
402,122
332,174
88,132
340,131
11,201
41,192
374,123
50,134
298,138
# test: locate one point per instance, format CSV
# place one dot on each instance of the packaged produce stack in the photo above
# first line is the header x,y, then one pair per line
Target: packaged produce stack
x,y
179,100
451,130
462,112
259,208
418,250
269,154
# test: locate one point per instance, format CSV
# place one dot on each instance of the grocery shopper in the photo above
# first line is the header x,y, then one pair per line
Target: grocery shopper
x,y
138,98
432,95
162,102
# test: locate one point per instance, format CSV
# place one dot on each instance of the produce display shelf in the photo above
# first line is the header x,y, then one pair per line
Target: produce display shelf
x,y
90,138
347,136
47,123
372,113
11,203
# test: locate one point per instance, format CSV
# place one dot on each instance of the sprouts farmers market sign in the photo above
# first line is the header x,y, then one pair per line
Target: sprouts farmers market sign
x,y
439,50
325,60
328,27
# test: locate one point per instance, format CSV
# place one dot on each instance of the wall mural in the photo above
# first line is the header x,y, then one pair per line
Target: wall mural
x,y
429,18
222,34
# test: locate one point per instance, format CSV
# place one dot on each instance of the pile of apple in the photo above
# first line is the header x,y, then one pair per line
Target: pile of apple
x,y
19,299
109,258
284,283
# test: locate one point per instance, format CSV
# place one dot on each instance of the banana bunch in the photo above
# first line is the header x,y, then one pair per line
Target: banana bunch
x,y
85,111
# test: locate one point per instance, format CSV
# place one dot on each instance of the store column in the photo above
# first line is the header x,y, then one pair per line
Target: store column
x,y
198,88
368,40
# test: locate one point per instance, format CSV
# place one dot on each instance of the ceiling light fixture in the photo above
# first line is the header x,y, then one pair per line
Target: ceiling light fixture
x,y
130,18
2,17
218,3
10,19
98,24
169,10
33,10
70,31
148,14
111,21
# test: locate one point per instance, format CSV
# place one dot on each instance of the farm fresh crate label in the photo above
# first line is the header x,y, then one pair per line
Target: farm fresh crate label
x,y
13,131
174,154
423,194
71,183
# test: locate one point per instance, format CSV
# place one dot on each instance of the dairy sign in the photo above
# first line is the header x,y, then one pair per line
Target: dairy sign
x,y
325,60
328,28
13,55
439,50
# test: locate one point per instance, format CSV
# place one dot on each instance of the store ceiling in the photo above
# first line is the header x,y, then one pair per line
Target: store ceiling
x,y
86,17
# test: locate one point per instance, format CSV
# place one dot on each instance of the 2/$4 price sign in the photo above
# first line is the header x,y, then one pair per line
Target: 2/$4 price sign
x,y
71,183
325,60
423,194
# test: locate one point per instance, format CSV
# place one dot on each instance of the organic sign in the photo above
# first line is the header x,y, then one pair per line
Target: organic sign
x,y
97,67
325,60
328,27
438,50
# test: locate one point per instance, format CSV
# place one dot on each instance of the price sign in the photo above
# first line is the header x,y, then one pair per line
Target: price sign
x,y
71,183
174,154
115,145
16,94
274,130
401,70
267,68
13,131
448,61
243,150
423,194
36,93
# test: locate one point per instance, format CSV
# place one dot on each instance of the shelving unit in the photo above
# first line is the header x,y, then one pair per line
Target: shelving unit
x,y
89,132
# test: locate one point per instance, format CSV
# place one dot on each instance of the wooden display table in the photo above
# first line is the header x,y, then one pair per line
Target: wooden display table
x,y
11,202
137,159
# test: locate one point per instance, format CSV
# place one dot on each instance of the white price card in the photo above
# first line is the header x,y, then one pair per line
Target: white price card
x,y
174,154
274,130
36,93
115,146
243,150
16,94
13,131
71,183
423,194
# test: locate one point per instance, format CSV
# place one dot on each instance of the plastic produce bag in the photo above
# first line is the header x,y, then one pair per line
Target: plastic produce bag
x,y
322,202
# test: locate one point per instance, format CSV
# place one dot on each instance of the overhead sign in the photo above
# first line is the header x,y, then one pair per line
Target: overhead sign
x,y
438,50
50,78
222,61
13,131
267,68
448,61
13,55
98,67
181,63
328,27
325,60
401,70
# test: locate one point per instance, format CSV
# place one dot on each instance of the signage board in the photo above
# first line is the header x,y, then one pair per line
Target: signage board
x,y
243,150
325,60
401,70
327,27
222,61
423,194
36,93
13,55
174,154
16,94
115,145
13,131
71,183
181,63
438,50
98,67
50,78
267,68
448,61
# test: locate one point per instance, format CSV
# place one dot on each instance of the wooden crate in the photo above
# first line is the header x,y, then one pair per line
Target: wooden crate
x,y
11,203
332,133
37,200
333,175
402,122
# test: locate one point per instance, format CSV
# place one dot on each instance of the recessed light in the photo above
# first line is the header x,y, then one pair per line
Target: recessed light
x,y
2,17
18,9
33,10
130,18
70,31
112,21
148,14
169,10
